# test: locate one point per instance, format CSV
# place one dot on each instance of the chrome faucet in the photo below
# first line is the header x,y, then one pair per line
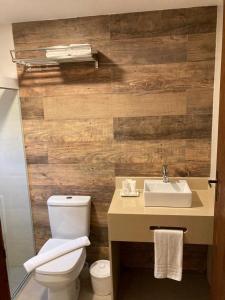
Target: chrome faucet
x,y
165,173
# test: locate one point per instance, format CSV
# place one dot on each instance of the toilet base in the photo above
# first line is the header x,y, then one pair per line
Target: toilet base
x,y
70,292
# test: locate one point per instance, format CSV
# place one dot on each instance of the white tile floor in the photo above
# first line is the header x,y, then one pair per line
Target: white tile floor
x,y
33,291
16,276
136,284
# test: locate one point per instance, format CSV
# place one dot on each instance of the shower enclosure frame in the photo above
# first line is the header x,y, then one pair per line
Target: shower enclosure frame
x,y
4,282
8,84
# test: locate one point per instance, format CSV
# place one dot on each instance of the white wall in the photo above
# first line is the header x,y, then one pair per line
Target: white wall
x,y
34,10
8,75
216,95
14,196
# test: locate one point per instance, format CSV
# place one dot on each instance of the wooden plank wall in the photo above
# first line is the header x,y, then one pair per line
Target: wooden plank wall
x,y
150,102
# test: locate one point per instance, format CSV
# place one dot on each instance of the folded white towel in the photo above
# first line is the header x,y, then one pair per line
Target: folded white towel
x,y
168,254
47,256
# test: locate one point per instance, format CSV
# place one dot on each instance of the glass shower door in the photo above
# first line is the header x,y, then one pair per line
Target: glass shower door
x,y
15,210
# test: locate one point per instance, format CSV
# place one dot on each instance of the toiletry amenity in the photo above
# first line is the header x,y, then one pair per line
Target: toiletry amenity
x,y
168,254
58,251
129,188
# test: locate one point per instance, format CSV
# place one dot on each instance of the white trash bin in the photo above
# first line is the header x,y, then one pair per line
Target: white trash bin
x,y
100,277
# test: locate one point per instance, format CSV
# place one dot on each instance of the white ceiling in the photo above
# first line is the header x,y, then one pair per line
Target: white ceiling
x,y
12,11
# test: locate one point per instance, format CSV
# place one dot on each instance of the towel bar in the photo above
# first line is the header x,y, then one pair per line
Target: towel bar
x,y
169,228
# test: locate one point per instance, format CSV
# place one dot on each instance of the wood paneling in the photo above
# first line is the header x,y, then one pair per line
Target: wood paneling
x,y
39,193
199,101
180,169
151,50
79,130
199,149
201,46
121,152
32,108
70,174
79,30
163,128
161,23
67,80
163,77
115,105
150,102
36,139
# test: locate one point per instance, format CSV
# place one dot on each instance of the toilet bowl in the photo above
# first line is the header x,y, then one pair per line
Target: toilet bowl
x,y
69,218
60,276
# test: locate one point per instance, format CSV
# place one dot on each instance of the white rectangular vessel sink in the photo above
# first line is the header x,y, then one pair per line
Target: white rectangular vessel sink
x,y
175,193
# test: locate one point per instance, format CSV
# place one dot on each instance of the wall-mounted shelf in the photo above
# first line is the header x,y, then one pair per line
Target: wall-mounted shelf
x,y
53,56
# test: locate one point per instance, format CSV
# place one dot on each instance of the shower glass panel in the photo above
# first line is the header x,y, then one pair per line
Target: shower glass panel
x,y
15,210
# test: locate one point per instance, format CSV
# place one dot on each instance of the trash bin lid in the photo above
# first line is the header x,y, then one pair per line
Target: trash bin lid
x,y
100,268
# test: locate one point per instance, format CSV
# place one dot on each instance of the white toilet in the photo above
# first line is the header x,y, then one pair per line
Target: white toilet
x,y
69,219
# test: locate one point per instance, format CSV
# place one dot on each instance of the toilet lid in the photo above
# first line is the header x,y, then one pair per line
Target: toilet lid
x,y
63,264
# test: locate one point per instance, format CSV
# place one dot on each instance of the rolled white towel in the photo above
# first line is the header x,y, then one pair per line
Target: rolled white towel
x,y
79,50
56,51
58,251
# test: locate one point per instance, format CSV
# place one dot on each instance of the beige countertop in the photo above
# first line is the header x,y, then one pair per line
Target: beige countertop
x,y
124,212
202,201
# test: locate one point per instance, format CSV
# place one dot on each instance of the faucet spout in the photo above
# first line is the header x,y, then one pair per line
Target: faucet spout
x,y
165,173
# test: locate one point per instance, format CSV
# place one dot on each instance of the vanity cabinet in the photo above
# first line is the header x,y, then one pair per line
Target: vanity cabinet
x,y
130,221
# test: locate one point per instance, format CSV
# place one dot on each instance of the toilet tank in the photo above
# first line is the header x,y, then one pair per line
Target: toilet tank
x,y
69,216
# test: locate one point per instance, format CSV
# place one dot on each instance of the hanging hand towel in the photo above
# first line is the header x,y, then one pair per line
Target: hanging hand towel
x,y
168,254
45,257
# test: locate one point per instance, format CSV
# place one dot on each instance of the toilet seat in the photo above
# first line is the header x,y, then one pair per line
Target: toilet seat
x,y
63,264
